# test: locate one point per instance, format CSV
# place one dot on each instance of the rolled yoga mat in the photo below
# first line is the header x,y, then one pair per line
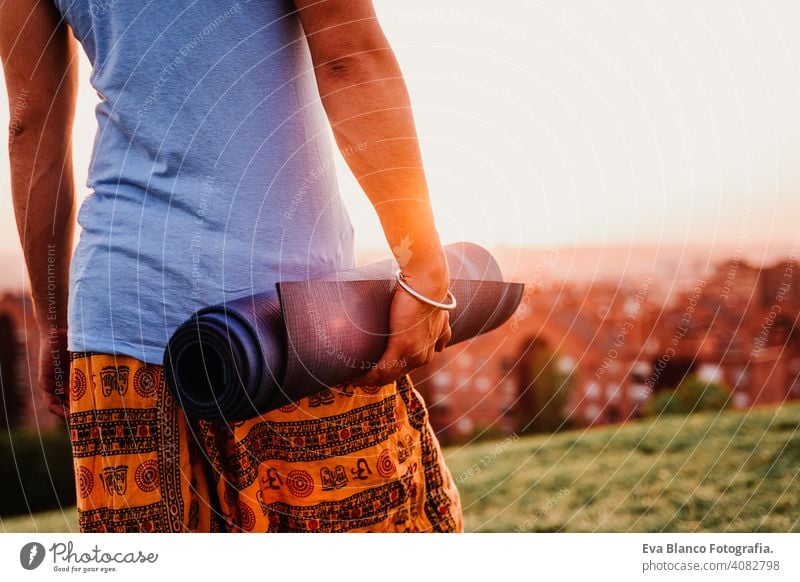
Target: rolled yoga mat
x,y
257,353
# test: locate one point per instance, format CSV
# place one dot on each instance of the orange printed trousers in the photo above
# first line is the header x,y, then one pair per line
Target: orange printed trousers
x,y
346,459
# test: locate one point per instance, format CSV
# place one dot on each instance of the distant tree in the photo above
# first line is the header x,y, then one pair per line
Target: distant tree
x,y
692,395
697,395
491,432
544,389
665,402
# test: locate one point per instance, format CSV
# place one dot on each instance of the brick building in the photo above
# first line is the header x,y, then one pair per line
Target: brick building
x,y
19,365
619,345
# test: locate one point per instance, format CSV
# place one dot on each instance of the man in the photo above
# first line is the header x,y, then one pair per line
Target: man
x,y
212,178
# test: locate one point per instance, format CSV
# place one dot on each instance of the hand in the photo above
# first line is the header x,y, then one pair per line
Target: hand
x,y
416,332
54,371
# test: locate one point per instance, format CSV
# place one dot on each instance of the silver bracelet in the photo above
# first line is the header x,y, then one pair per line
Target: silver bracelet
x,y
446,306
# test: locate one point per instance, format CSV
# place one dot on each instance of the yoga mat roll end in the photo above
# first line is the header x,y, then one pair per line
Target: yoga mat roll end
x,y
227,362
260,352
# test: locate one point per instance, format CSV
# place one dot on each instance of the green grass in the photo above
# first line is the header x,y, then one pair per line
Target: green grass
x,y
65,520
734,471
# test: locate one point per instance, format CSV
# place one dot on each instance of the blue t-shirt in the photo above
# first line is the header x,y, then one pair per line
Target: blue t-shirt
x,y
212,174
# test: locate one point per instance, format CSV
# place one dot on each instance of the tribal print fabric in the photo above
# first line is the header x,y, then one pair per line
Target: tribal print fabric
x,y
346,459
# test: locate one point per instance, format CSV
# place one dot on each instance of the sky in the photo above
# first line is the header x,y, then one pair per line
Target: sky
x,y
555,123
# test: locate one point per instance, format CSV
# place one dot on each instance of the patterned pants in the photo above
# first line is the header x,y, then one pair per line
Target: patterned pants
x,y
347,459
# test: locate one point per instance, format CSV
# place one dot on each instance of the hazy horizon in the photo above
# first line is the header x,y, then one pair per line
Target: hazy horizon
x,y
673,263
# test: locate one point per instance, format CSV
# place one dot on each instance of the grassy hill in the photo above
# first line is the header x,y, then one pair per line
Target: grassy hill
x,y
737,471
45,522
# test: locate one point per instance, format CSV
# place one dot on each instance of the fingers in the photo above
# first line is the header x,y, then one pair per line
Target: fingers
x,y
398,360
430,355
54,373
59,410
390,367
56,405
417,333
444,338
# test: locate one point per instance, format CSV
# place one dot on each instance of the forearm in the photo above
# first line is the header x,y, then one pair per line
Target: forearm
x,y
44,200
39,63
368,106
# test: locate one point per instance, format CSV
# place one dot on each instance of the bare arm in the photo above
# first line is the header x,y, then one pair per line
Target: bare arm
x,y
367,103
40,67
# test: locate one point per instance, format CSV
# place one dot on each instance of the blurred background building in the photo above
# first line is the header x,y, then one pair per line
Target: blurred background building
x,y
19,365
597,353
